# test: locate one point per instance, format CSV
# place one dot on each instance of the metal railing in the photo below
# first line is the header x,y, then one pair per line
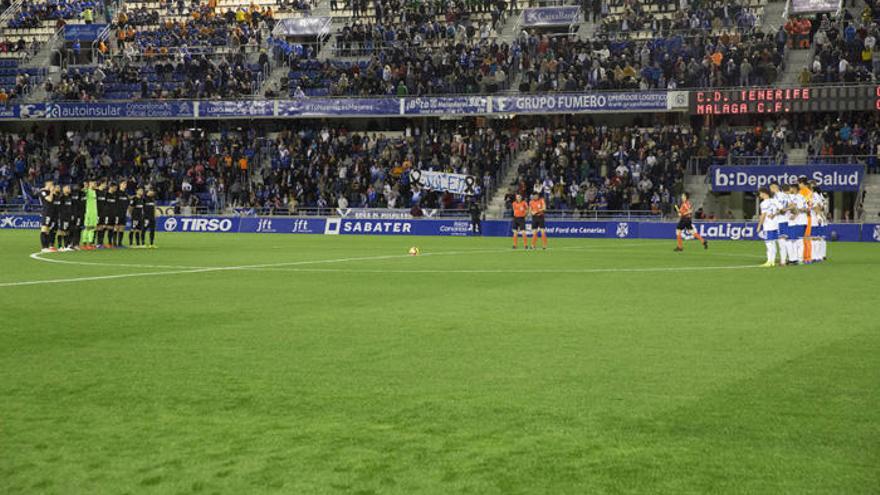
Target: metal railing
x,y
13,9
699,165
438,214
593,214
312,211
590,91
870,160
618,34
364,48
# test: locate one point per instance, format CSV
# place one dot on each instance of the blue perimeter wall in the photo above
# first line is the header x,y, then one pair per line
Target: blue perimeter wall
x,y
495,228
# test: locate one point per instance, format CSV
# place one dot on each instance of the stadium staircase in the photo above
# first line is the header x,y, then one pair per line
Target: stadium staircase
x,y
496,206
774,15
796,156
43,59
279,71
713,205
795,61
871,204
698,188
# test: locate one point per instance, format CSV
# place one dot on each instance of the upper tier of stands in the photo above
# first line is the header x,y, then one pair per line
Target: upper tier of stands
x,y
643,20
397,47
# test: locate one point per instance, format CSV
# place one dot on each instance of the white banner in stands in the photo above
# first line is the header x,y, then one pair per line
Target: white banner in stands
x,y
442,181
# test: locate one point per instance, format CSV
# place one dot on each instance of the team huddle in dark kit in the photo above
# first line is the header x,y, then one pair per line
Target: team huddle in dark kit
x,y
94,215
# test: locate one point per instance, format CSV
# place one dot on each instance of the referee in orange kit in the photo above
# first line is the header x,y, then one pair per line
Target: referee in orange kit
x,y
520,210
538,207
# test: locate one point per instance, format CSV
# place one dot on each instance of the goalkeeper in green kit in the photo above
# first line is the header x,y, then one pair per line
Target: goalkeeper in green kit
x,y
91,217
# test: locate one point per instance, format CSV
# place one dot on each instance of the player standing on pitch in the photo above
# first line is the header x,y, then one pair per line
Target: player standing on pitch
x,y
149,217
782,201
538,207
520,210
110,213
476,216
769,224
76,223
101,205
47,222
137,219
56,216
122,203
685,223
90,216
65,219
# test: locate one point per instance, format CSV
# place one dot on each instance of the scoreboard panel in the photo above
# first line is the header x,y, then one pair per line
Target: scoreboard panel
x,y
785,100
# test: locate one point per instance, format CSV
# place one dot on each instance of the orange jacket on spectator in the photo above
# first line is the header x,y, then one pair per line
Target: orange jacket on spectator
x,y
805,26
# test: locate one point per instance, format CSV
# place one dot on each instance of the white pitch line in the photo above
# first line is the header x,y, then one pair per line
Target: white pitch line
x,y
280,267
38,257
101,277
549,271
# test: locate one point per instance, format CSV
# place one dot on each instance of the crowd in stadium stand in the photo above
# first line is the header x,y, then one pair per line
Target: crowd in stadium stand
x,y
565,64
580,166
763,142
306,167
417,24
420,48
204,56
842,139
694,16
10,46
845,49
33,13
451,69
205,28
595,168
20,87
181,76
137,16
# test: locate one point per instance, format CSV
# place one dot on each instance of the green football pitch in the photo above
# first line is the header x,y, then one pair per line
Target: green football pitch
x,y
224,363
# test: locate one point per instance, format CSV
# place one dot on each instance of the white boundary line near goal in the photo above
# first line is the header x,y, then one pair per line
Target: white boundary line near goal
x,y
176,269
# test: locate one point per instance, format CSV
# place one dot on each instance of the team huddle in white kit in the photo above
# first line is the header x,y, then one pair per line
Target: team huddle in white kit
x,y
793,223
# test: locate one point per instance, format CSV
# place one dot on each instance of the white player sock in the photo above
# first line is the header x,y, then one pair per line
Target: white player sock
x,y
783,251
792,250
799,250
771,251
